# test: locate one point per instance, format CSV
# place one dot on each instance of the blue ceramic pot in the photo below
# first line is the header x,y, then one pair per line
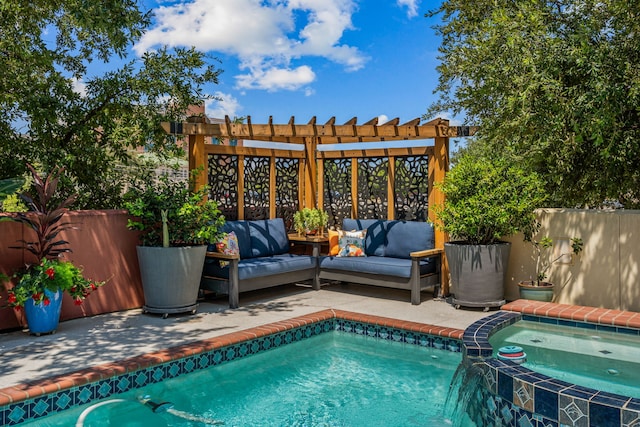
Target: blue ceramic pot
x,y
43,319
543,293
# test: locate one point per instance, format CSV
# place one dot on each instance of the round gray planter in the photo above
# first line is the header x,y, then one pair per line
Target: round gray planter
x,y
171,277
477,273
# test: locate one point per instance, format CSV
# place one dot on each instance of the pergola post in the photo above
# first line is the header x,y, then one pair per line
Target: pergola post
x,y
310,173
197,159
438,167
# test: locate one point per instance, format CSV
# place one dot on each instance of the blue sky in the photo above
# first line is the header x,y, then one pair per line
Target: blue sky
x,y
306,58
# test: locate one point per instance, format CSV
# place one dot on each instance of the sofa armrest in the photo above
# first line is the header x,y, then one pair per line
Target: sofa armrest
x,y
426,253
222,256
415,271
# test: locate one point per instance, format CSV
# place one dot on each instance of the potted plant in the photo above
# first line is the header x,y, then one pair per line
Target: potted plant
x,y
175,226
538,289
38,288
310,221
485,200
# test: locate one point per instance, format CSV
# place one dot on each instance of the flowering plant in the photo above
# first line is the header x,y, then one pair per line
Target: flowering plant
x,y
46,222
53,275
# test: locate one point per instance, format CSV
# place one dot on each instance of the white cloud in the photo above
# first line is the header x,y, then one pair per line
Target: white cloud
x,y
225,104
382,119
411,5
262,34
273,79
79,87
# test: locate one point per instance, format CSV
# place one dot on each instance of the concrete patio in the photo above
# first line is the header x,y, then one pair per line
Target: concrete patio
x,y
93,341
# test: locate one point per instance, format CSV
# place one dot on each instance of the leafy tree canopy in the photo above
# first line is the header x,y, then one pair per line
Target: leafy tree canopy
x,y
55,109
552,84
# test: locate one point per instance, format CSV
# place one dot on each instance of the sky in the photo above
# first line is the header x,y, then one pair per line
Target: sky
x,y
306,58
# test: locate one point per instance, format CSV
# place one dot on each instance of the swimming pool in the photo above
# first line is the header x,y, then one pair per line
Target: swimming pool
x,y
333,379
143,373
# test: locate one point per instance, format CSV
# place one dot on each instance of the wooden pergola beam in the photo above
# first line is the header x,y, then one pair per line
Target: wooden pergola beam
x,y
329,133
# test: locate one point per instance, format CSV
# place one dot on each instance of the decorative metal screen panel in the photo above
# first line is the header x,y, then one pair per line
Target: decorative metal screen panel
x,y
287,181
373,175
256,188
223,183
411,188
337,190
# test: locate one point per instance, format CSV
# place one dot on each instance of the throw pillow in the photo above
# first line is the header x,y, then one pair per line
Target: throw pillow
x,y
228,245
334,247
350,250
351,243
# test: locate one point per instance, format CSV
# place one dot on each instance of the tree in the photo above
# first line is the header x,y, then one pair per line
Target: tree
x,y
57,107
552,84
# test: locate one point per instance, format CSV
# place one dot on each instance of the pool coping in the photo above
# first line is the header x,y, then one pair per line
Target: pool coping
x,y
601,316
27,396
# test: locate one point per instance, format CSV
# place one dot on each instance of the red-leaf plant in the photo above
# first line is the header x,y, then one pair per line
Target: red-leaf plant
x,y
50,272
45,217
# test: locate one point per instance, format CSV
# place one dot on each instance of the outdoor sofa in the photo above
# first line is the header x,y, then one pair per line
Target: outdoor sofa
x,y
399,254
264,260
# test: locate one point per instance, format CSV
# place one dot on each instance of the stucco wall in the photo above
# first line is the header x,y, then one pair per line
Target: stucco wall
x,y
606,273
104,248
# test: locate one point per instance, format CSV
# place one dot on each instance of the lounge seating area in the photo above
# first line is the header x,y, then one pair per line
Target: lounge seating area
x,y
395,254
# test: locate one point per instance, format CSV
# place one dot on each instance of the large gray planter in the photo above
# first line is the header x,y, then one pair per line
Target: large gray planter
x,y
171,278
477,273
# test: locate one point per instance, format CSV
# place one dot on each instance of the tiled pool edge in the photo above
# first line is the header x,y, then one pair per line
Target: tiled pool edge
x,y
25,402
518,396
599,316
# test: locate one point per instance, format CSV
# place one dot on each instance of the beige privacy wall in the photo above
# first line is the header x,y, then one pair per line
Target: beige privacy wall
x,y
606,273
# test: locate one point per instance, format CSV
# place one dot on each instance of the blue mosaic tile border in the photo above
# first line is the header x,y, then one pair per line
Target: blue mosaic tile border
x,y
512,395
476,337
42,406
582,325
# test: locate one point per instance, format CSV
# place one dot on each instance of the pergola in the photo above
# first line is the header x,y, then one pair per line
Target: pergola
x,y
307,141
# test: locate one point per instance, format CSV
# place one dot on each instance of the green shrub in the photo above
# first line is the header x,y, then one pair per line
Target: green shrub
x,y
167,213
488,199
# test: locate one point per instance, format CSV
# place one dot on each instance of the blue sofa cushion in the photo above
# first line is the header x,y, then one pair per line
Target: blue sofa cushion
x,y
398,267
404,237
266,266
376,234
268,237
260,267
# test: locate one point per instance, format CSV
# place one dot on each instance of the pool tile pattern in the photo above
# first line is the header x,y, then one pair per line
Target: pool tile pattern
x,y
29,401
516,396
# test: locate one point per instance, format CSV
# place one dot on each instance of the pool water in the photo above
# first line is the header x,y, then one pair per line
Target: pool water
x,y
333,379
591,358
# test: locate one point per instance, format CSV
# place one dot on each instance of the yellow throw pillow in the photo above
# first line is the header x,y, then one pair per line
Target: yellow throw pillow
x,y
334,247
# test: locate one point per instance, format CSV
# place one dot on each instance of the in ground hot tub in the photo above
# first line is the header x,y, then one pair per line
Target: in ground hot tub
x,y
543,391
594,356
